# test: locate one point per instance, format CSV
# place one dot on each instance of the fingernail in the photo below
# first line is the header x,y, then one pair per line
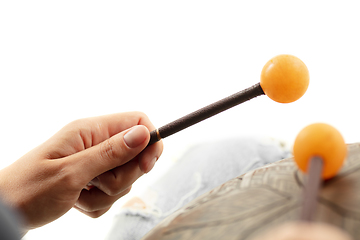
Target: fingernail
x,y
135,136
151,164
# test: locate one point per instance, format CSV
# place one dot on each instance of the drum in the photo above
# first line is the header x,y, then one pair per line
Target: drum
x,y
264,198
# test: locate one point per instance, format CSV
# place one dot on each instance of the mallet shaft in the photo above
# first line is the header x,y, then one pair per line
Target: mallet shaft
x,y
311,189
205,113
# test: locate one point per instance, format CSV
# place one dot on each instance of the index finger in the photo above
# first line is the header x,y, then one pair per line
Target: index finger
x,y
103,127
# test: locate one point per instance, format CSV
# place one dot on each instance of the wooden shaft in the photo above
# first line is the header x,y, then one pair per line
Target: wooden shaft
x,y
311,189
205,113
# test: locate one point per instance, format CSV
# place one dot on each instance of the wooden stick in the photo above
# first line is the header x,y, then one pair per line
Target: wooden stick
x,y
205,113
311,189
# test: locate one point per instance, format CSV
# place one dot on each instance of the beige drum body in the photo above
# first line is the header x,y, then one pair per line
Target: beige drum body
x,y
261,199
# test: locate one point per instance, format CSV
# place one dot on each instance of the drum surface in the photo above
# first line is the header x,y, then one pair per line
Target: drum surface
x,y
263,198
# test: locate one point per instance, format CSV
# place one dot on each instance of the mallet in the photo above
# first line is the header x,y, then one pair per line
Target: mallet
x,y
319,151
284,78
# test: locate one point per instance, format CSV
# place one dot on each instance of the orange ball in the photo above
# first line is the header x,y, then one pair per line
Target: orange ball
x,y
285,78
321,140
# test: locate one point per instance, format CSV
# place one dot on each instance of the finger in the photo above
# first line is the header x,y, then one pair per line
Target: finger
x,y
116,180
118,122
94,201
111,153
97,129
94,214
149,156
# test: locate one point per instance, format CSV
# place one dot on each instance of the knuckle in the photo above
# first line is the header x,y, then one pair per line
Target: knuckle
x,y
141,115
114,189
114,186
108,150
96,214
85,206
68,176
126,191
110,183
91,206
113,192
76,123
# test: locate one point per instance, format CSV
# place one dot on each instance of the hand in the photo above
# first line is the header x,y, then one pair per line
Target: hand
x,y
104,151
305,231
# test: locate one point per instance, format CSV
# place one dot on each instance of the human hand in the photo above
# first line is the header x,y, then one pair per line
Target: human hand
x,y
105,151
305,231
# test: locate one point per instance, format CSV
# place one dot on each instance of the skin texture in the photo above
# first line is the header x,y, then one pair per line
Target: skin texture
x,y
304,231
88,165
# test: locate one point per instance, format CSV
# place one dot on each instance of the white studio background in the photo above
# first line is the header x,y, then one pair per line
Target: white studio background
x,y
64,60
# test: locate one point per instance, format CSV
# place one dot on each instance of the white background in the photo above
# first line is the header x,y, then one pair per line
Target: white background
x,y
64,60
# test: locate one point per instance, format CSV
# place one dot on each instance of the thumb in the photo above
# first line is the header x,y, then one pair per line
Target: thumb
x,y
111,153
